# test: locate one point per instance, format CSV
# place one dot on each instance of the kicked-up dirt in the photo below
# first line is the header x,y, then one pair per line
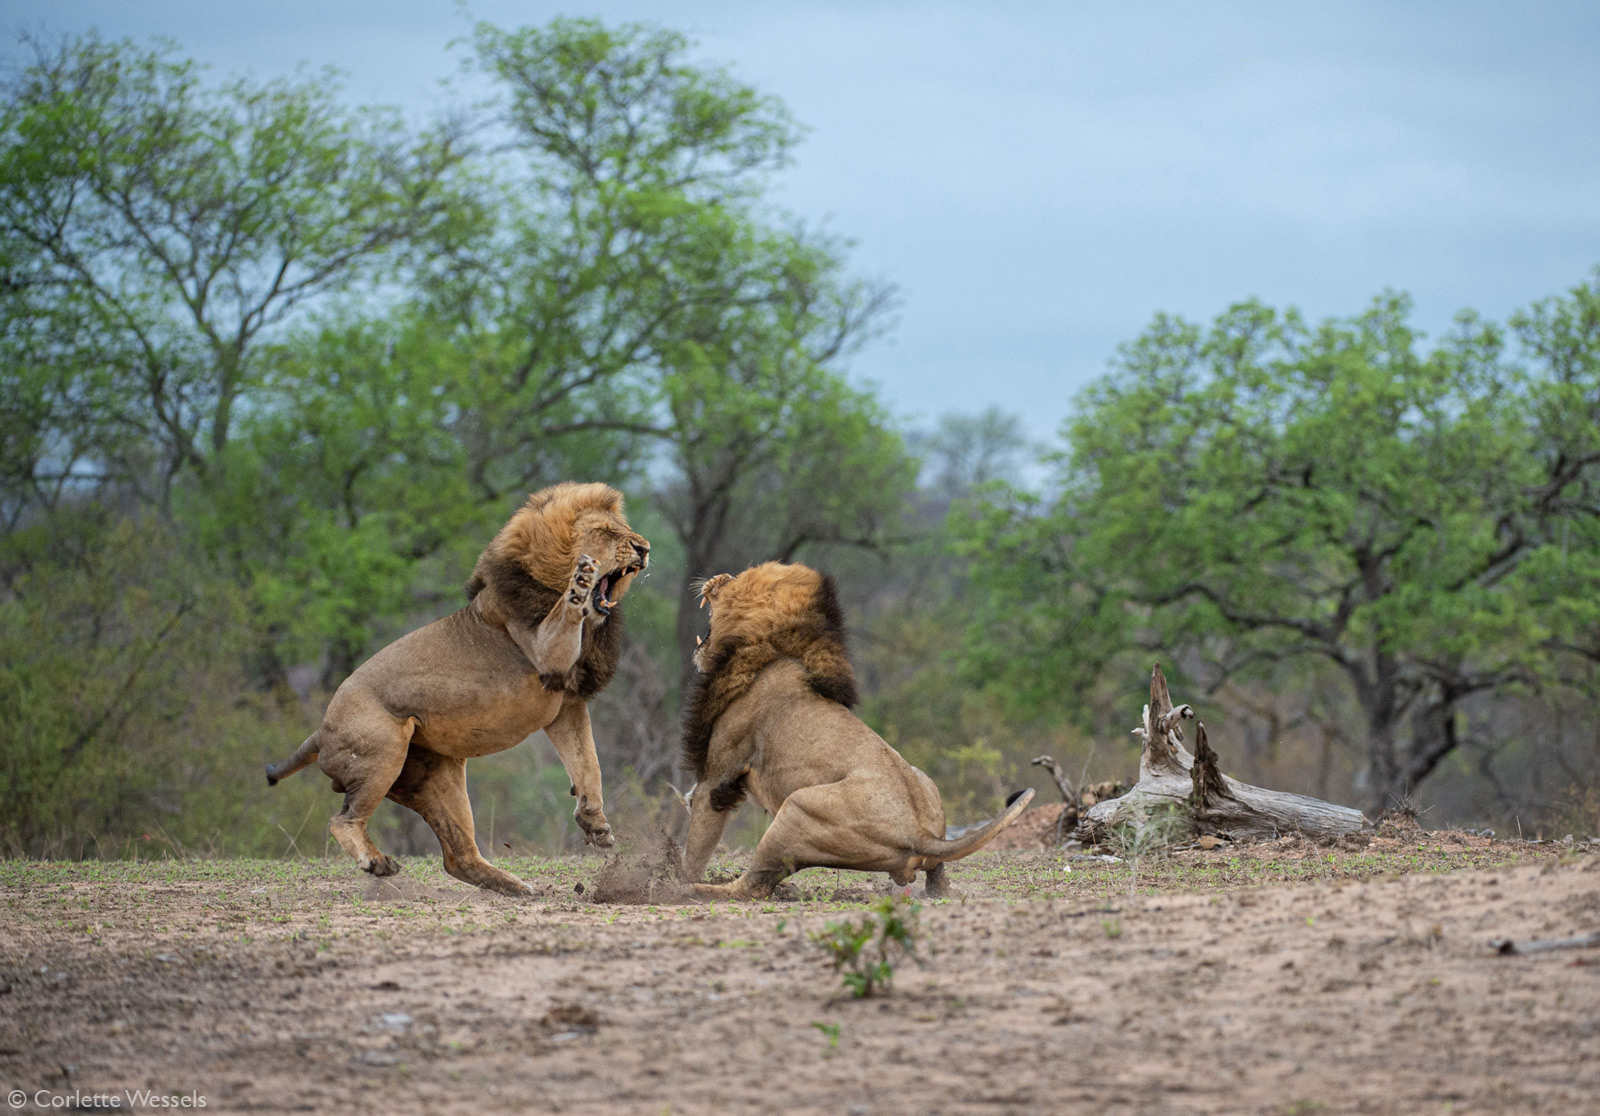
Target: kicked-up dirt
x,y
1280,978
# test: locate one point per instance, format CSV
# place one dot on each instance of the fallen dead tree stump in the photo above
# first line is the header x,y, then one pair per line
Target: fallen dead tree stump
x,y
1193,789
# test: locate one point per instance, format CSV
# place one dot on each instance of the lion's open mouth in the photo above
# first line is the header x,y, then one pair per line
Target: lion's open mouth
x,y
602,600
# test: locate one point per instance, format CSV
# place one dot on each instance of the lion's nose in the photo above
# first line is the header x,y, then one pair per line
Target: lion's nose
x,y
643,550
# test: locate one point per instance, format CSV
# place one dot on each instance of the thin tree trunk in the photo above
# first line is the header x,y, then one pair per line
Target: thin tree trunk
x,y
691,622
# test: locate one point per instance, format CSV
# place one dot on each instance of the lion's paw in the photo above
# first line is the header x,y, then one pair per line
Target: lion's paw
x,y
711,586
507,884
596,830
381,865
581,585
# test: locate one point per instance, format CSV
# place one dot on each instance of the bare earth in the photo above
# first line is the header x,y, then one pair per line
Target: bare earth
x,y
1280,978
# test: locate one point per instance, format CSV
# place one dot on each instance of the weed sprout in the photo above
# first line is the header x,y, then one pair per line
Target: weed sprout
x,y
867,950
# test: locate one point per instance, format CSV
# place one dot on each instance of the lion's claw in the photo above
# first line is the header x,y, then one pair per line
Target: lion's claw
x,y
582,581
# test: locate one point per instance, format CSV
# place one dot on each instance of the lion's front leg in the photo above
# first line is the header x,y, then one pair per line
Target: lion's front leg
x,y
573,738
555,645
705,831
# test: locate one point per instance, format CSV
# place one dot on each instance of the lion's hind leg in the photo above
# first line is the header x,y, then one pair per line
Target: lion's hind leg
x,y
363,755
815,827
754,884
768,871
435,786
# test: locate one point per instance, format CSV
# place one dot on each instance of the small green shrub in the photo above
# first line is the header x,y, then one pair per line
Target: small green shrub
x,y
867,950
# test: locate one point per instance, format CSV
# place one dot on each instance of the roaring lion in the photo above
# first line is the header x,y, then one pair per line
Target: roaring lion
x,y
770,718
540,636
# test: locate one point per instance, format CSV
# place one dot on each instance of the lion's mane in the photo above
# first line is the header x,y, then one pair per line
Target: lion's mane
x,y
526,566
806,626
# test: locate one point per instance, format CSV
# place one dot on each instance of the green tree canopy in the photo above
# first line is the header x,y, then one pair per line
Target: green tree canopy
x,y
154,229
615,303
1265,492
324,354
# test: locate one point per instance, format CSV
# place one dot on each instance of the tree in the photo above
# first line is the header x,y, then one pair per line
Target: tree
x,y
1265,492
639,290
350,477
1561,337
159,229
128,716
611,215
621,169
773,451
965,452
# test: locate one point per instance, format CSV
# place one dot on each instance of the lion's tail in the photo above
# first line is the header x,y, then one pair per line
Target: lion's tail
x,y
969,843
304,756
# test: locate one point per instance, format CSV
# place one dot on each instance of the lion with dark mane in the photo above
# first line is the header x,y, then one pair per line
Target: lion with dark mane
x,y
540,636
770,719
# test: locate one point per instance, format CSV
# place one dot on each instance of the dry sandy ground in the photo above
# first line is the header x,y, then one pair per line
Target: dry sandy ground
x,y
272,987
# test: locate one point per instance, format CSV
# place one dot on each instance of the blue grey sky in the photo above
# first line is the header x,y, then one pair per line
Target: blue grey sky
x,y
1039,179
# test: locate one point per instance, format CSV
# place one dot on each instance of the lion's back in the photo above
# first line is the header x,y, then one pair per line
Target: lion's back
x,y
460,677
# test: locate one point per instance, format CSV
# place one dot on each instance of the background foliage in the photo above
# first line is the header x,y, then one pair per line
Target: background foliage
x,y
273,368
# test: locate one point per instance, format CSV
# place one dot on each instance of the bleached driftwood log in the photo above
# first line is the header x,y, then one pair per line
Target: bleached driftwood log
x,y
1199,795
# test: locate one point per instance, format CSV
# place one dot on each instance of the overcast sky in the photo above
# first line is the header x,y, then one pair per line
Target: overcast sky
x,y
1039,179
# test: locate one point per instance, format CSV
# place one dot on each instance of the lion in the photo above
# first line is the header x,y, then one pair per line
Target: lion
x,y
770,718
540,636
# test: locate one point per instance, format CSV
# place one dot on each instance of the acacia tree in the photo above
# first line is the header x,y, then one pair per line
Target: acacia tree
x,y
636,288
1561,337
525,346
1265,492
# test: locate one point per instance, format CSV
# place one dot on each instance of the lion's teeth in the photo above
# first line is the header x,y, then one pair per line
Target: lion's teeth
x,y
698,641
